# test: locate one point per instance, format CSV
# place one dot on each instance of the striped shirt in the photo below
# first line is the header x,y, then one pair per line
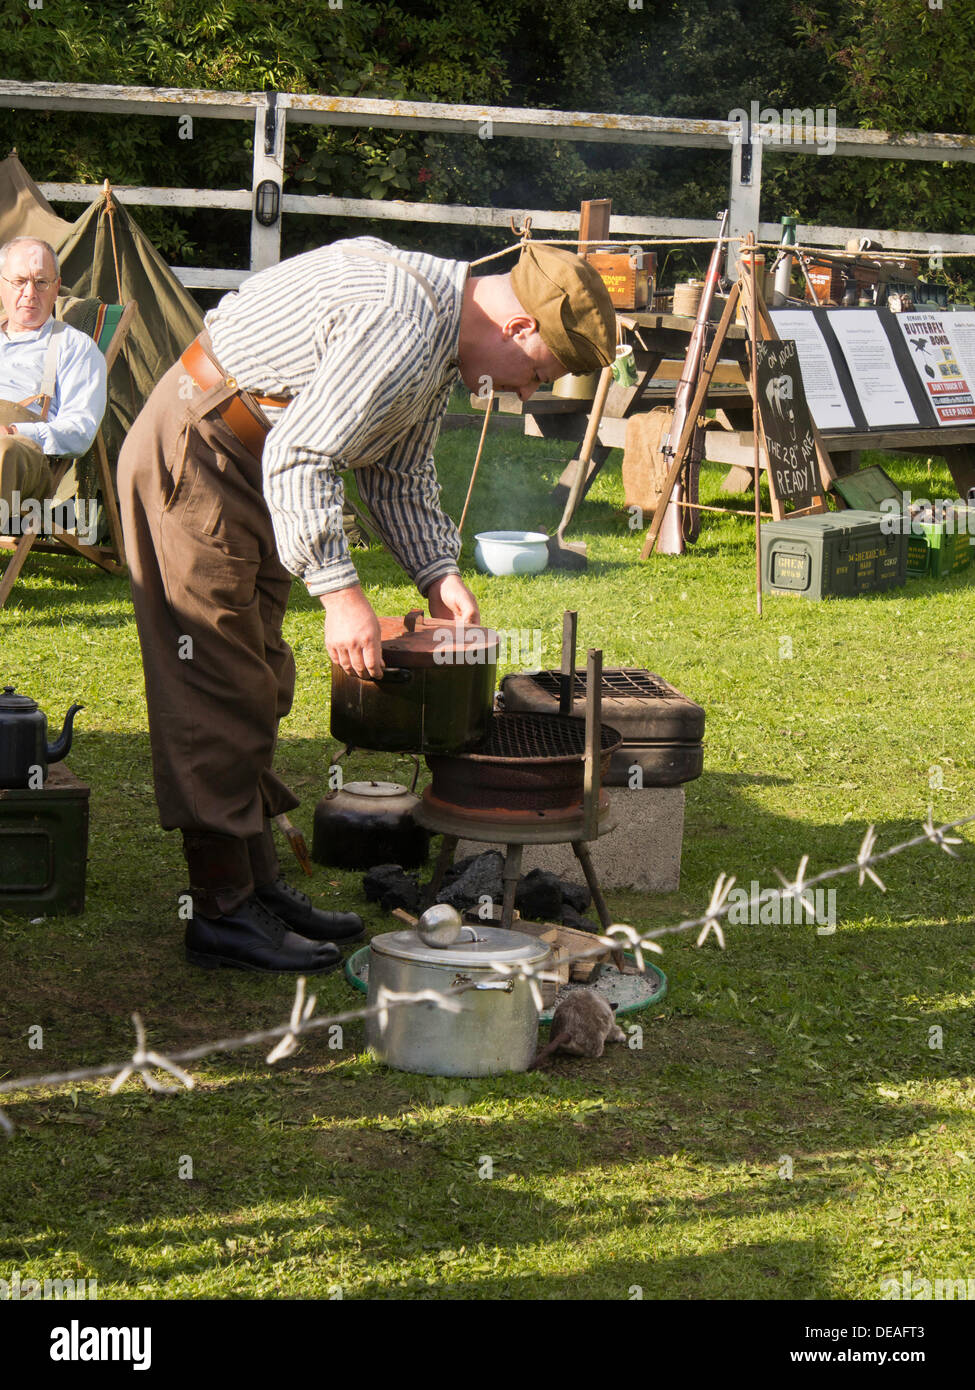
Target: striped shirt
x,y
367,352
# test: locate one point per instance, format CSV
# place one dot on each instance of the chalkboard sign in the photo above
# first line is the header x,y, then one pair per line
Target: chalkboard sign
x,y
792,464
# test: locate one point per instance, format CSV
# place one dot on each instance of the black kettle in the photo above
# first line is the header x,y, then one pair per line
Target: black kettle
x,y
24,749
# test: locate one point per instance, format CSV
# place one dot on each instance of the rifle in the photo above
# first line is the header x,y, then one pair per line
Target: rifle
x,y
684,523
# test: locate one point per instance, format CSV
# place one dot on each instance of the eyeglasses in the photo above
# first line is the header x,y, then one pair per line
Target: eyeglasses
x,y
20,284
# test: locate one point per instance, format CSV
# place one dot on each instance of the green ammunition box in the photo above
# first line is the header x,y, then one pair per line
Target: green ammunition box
x,y
44,846
834,555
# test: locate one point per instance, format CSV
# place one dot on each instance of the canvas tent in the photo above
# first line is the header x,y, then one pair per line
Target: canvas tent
x,y
24,211
106,255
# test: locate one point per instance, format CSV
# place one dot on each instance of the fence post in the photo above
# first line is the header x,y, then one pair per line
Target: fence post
x,y
269,130
746,190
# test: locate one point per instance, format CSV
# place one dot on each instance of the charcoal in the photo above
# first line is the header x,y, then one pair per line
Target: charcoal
x,y
539,896
480,877
577,895
571,918
460,867
391,886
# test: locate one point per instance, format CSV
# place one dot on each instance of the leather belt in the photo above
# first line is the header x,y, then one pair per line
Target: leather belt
x,y
242,422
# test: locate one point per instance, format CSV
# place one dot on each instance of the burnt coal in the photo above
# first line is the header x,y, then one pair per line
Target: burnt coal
x,y
575,895
539,896
391,887
471,879
571,918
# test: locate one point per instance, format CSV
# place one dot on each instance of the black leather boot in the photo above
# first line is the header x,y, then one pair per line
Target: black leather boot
x,y
297,911
253,938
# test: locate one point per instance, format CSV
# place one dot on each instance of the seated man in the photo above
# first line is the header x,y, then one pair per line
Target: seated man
x,y
52,377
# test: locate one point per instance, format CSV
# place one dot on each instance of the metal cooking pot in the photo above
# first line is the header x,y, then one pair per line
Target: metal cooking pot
x,y
435,696
369,823
496,1029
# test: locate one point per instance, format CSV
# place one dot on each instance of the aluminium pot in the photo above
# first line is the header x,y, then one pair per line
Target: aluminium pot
x,y
435,695
496,1029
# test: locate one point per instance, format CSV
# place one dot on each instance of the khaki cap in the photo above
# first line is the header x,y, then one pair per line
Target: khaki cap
x,y
575,314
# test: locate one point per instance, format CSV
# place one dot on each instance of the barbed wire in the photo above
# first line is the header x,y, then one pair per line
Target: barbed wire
x,y
146,1061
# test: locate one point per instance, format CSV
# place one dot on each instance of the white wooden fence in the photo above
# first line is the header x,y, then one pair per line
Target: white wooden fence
x,y
270,113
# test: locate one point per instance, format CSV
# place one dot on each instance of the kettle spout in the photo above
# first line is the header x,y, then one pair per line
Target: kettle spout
x,y
62,745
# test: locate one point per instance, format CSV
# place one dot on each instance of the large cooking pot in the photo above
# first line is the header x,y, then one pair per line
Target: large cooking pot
x,y
496,1029
435,695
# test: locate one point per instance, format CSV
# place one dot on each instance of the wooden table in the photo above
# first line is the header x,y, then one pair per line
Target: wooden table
x,y
658,338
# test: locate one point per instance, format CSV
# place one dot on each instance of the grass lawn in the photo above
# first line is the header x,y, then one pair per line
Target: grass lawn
x,y
663,1167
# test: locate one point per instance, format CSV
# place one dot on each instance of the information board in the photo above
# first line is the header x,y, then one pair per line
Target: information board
x,y
824,393
943,352
881,390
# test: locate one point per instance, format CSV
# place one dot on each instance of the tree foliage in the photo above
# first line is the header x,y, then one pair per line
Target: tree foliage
x,y
895,64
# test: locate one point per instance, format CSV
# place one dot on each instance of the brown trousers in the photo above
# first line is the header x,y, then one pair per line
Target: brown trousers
x,y
23,467
209,594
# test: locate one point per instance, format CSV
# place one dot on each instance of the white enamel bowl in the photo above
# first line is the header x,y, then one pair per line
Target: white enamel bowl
x,y
511,552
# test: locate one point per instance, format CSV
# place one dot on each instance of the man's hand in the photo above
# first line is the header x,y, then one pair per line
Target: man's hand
x,y
450,598
352,637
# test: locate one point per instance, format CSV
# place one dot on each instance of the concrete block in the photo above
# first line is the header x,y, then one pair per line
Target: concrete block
x,y
642,853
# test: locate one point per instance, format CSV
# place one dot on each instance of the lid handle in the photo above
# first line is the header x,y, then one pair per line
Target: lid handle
x,y
414,616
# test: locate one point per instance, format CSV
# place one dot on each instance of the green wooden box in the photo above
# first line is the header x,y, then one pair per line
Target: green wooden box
x,y
834,555
44,846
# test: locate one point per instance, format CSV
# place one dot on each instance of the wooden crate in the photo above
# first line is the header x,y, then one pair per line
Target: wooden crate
x,y
630,286
548,932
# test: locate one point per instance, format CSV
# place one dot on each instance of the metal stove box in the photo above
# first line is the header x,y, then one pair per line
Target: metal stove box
x,y
836,554
662,730
44,846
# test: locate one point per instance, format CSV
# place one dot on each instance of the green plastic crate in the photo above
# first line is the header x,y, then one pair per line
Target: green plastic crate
x,y
833,555
934,548
948,551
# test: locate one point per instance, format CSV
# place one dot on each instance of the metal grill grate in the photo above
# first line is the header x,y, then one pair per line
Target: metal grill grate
x,y
538,736
619,683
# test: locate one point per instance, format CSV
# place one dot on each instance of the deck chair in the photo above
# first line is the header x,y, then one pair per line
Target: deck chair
x,y
109,329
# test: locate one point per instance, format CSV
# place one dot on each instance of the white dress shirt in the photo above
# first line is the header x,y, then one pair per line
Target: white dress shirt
x,y
80,391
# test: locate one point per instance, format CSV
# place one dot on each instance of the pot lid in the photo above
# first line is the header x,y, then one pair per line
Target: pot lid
x,y
495,944
418,641
9,699
375,789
